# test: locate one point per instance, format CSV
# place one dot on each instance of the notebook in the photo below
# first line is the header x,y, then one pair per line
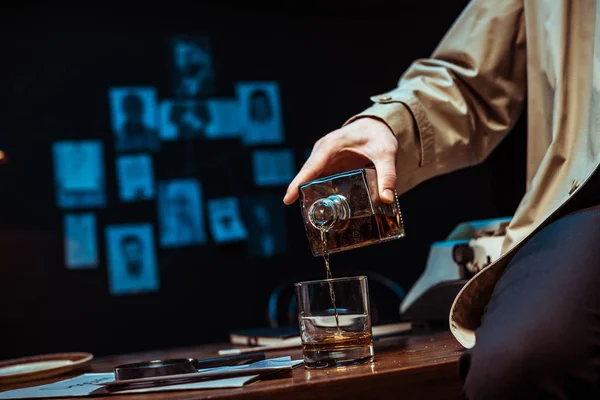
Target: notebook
x,y
266,336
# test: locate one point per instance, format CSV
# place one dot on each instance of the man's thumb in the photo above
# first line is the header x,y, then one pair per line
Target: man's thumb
x,y
386,179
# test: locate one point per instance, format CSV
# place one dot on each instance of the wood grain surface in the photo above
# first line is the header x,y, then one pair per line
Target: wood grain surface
x,y
407,367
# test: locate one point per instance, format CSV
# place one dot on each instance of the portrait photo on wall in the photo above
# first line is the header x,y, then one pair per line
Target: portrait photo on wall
x,y
133,115
225,220
180,215
265,218
273,167
226,121
131,259
184,119
80,241
79,176
193,73
135,177
261,113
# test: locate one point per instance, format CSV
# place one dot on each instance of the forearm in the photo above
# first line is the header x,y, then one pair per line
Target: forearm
x,y
402,124
455,107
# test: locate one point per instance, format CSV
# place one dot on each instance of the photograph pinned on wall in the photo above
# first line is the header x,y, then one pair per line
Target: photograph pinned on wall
x,y
133,115
265,218
225,220
226,120
180,213
193,72
80,241
184,119
135,177
261,113
273,167
79,175
131,259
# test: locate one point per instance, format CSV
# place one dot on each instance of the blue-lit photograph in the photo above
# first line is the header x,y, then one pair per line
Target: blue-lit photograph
x,y
265,218
225,220
192,66
273,167
226,119
80,241
135,177
79,176
131,259
133,113
184,119
261,113
180,213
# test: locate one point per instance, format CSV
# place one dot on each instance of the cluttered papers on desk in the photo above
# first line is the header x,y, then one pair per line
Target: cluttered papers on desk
x,y
90,384
290,335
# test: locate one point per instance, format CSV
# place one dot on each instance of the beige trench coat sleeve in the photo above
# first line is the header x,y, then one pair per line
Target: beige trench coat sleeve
x,y
464,99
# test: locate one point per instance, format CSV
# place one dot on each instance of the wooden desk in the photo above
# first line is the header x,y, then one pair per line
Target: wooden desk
x,y
415,367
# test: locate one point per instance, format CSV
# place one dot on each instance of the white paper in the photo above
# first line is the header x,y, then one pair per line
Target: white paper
x,y
216,384
278,362
86,384
82,385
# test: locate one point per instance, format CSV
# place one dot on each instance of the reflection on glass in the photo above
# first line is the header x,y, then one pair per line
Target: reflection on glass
x,y
180,213
131,257
79,174
135,177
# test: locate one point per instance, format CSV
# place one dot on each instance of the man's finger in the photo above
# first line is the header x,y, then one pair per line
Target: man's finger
x,y
312,169
385,165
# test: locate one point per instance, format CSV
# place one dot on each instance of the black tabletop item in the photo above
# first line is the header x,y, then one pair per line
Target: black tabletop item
x,y
180,366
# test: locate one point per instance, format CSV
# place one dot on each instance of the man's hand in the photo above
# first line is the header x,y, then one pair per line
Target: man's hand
x,y
353,146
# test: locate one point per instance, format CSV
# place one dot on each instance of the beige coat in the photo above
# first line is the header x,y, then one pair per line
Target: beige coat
x,y
469,94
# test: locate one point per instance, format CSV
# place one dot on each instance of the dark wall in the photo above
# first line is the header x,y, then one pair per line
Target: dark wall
x,y
57,65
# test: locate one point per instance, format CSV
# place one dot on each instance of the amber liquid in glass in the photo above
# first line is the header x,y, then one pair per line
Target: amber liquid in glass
x,y
341,341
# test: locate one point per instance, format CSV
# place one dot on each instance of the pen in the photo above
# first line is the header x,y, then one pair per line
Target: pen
x,y
248,350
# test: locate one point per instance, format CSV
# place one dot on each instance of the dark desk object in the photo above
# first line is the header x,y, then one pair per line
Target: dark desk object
x,y
411,367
